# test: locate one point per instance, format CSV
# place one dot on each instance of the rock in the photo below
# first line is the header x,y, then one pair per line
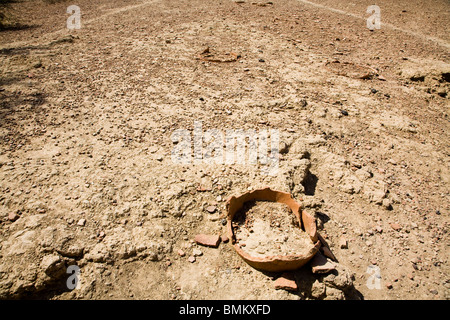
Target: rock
x,y
363,174
389,285
197,252
395,226
208,240
81,222
286,282
350,185
375,193
181,253
52,265
72,251
13,216
334,294
125,250
224,239
99,253
320,264
339,278
317,290
211,209
284,148
343,244
191,259
387,204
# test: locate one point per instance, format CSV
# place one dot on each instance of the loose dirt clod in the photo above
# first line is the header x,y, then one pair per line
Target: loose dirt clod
x,y
270,229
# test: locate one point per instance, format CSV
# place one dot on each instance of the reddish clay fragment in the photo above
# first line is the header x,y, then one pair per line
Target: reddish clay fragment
x,y
286,282
320,264
208,240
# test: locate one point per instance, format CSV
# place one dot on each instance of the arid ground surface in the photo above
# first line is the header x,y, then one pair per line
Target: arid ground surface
x,y
86,124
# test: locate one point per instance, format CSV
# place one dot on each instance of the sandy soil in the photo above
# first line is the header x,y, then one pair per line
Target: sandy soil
x,y
270,229
87,118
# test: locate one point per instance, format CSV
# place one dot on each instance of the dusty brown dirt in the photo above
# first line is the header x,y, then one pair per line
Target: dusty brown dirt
x,y
85,144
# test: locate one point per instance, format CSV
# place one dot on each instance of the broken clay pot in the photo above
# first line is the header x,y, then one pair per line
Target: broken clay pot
x,y
276,263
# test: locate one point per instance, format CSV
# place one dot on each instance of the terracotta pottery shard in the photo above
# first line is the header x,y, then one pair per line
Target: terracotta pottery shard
x,y
286,282
320,264
279,262
326,248
208,240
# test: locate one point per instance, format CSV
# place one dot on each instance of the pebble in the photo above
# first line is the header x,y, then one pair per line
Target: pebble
x,y
13,216
224,239
387,204
343,243
208,240
197,252
211,209
395,226
81,222
191,259
181,253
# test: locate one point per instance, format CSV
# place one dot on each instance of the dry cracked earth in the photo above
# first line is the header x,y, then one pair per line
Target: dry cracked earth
x,y
86,124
